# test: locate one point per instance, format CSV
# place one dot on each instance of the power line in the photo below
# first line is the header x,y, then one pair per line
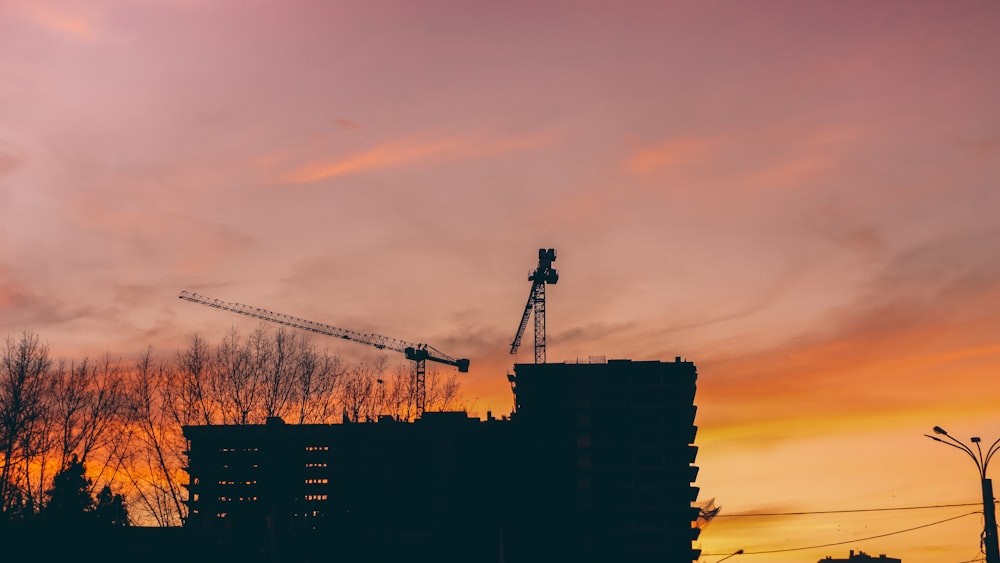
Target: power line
x,y
856,540
845,511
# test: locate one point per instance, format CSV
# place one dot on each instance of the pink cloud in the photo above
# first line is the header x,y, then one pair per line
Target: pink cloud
x,y
651,159
11,158
72,21
794,172
348,124
408,152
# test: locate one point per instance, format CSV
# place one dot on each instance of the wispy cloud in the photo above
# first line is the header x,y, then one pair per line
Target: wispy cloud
x,y
794,172
73,24
22,304
11,158
348,124
647,160
409,152
927,313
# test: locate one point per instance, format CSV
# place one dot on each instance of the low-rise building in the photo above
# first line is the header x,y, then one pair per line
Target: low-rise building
x,y
861,557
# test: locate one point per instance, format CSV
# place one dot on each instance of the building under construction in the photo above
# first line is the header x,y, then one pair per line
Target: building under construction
x,y
595,464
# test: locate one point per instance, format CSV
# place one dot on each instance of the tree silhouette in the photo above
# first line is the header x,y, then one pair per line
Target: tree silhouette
x,y
69,500
110,509
25,390
70,504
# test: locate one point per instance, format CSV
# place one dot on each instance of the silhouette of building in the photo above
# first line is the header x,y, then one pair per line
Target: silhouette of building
x,y
610,450
861,557
595,465
376,491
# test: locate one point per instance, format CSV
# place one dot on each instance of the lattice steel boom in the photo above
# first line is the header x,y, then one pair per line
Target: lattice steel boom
x,y
544,274
419,353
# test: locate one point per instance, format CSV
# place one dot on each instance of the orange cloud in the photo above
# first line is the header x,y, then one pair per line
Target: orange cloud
x,y
665,155
790,173
409,152
11,158
8,297
61,22
347,123
392,154
919,340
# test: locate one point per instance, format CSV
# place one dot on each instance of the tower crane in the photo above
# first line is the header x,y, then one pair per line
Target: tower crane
x,y
544,274
419,353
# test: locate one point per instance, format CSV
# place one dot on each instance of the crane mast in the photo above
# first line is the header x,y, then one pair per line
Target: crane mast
x,y
418,353
544,274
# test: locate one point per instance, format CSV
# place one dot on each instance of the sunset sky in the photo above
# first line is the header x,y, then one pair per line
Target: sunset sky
x,y
799,197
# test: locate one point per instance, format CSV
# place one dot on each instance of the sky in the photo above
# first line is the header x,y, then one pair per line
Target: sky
x,y
799,197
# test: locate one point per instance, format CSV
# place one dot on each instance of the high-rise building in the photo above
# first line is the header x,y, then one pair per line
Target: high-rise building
x,y
608,447
596,464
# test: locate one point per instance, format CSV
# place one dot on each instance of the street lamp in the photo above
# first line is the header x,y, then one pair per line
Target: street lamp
x,y
989,509
737,552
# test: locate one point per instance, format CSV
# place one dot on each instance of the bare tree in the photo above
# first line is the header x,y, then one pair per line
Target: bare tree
x,y
24,390
442,390
400,393
127,422
319,381
153,463
282,372
233,379
70,396
359,396
88,401
191,398
37,443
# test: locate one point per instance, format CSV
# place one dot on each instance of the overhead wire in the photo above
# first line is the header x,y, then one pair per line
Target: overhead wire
x,y
844,511
855,540
897,532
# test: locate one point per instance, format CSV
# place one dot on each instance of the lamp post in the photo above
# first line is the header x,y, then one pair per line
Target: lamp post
x,y
989,509
737,552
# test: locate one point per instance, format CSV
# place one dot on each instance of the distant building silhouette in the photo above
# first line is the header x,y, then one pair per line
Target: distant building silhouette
x,y
861,557
595,465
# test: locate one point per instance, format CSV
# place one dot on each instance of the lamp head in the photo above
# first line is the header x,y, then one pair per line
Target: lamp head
x,y
939,430
975,439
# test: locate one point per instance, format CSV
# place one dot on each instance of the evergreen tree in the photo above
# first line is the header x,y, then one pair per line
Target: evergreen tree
x,y
110,509
69,500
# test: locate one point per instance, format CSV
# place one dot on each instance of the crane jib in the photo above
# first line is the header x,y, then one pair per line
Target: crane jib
x,y
412,351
